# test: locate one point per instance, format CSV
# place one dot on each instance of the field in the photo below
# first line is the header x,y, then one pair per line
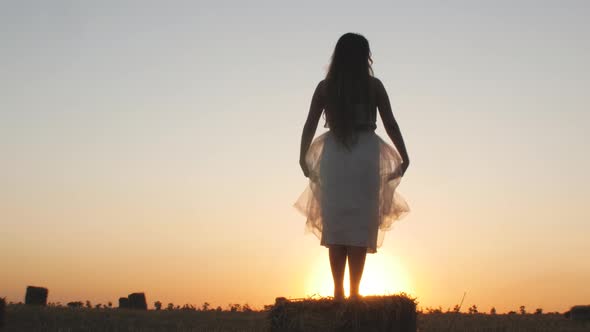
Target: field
x,y
25,318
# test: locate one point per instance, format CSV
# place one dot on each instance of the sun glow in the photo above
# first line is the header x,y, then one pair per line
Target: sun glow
x,y
383,275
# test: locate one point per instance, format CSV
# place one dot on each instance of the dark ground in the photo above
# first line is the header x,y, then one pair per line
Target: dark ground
x,y
23,318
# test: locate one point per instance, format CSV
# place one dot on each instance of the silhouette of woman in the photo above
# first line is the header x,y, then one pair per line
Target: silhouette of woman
x,y
351,198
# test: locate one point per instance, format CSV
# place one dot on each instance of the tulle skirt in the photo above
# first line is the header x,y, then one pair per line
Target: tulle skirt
x,y
351,198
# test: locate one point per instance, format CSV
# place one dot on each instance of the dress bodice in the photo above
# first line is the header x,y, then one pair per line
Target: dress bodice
x,y
365,117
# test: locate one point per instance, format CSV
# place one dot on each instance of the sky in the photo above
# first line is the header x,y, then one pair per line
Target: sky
x,y
153,146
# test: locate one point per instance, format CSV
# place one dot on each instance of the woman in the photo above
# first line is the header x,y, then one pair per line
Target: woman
x,y
353,173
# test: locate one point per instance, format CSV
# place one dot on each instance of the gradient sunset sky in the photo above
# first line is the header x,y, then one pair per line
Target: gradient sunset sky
x,y
153,146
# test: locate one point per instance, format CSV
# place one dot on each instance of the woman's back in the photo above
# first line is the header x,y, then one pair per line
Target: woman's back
x,y
362,107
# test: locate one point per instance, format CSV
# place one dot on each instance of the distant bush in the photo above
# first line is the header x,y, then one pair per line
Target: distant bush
x,y
188,307
76,304
158,305
430,310
205,306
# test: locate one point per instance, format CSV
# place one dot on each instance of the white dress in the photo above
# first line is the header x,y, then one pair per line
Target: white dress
x,y
351,198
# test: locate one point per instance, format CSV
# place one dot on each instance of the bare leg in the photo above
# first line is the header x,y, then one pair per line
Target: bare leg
x,y
338,264
356,264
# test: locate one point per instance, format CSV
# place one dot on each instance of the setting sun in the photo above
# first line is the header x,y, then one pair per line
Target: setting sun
x,y
384,274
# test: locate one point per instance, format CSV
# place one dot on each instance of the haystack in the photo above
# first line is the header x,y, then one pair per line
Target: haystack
x,y
123,303
2,310
137,301
36,295
371,313
579,312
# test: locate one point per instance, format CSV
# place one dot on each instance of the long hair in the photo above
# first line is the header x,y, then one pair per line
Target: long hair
x,y
347,83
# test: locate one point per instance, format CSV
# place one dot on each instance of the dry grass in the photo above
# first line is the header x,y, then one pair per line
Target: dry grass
x,y
440,322
26,318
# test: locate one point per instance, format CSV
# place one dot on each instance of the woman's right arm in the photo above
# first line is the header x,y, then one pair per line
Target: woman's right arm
x,y
311,124
390,124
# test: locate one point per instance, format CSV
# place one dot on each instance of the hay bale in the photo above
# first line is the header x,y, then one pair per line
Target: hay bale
x,y
36,295
137,301
2,311
123,303
579,312
371,313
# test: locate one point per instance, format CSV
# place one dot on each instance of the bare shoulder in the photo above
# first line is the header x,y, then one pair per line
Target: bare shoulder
x,y
319,95
378,88
377,84
321,88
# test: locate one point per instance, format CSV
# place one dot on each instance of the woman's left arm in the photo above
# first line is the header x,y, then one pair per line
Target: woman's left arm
x,y
311,124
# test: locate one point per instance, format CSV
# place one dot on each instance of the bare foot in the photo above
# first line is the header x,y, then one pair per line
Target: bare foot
x,y
339,295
